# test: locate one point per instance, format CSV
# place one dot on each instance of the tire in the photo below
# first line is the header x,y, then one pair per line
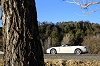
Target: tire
x,y
78,51
53,51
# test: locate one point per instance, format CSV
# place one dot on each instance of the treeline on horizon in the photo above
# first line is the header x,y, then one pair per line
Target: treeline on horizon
x,y
59,30
72,33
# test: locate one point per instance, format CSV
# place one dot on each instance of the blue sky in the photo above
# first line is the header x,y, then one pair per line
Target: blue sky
x,y
58,11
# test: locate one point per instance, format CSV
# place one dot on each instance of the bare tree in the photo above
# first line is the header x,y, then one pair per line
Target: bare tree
x,y
85,4
20,34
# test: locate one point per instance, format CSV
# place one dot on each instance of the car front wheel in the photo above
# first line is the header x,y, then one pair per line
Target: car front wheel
x,y
78,52
53,51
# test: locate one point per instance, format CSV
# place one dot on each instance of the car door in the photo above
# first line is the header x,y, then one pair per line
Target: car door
x,y
65,49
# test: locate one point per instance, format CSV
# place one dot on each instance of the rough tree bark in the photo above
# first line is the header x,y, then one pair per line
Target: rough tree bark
x,y
20,34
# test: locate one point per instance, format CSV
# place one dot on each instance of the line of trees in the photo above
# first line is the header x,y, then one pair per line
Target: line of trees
x,y
72,33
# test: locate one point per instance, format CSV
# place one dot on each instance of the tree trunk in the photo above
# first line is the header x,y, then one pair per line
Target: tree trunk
x,y
20,34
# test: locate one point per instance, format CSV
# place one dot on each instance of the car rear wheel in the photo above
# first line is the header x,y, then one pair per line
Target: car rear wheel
x,y
78,52
53,51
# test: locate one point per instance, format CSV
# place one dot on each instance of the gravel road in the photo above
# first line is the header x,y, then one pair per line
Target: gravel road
x,y
73,56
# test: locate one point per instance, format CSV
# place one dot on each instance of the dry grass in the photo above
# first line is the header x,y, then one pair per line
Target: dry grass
x,y
1,62
60,62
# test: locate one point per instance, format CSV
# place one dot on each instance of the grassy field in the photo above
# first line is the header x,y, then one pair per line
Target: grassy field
x,y
1,62
61,62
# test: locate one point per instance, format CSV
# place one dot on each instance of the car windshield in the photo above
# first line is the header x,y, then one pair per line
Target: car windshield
x,y
64,45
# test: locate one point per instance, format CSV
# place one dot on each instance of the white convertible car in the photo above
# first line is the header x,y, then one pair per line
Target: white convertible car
x,y
68,49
